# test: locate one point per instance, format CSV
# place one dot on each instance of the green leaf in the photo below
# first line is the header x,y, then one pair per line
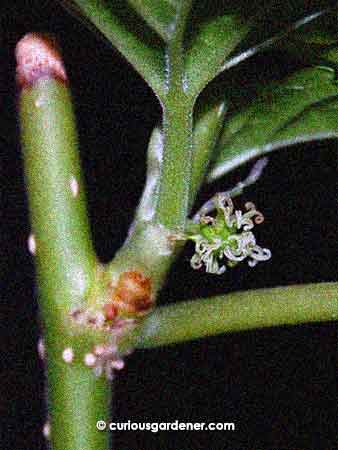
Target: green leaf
x,y
284,114
315,42
215,32
320,32
288,305
222,36
159,15
322,117
128,33
331,55
251,47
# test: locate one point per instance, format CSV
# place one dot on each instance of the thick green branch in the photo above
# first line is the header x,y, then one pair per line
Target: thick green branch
x,y
240,311
66,261
77,398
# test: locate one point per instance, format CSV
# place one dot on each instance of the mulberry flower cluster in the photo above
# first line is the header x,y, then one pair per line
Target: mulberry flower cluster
x,y
227,235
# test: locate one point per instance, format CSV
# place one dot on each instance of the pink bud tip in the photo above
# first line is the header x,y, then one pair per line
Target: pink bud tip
x,y
37,57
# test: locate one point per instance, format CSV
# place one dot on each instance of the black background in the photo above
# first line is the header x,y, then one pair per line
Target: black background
x,y
277,385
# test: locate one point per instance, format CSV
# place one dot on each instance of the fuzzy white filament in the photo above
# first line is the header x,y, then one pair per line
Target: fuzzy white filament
x,y
237,244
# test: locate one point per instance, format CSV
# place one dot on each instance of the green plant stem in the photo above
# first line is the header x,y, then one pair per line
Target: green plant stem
x,y
173,200
165,202
240,311
148,251
208,123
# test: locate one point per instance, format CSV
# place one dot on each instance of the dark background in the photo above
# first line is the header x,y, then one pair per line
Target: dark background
x,y
277,385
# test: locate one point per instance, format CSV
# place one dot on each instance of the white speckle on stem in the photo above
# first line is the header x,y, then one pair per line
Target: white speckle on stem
x,y
68,355
38,102
41,349
90,359
74,186
80,278
32,244
99,350
46,430
117,364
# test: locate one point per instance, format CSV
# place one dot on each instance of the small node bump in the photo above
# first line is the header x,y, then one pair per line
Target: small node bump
x,y
74,186
32,244
89,359
68,355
